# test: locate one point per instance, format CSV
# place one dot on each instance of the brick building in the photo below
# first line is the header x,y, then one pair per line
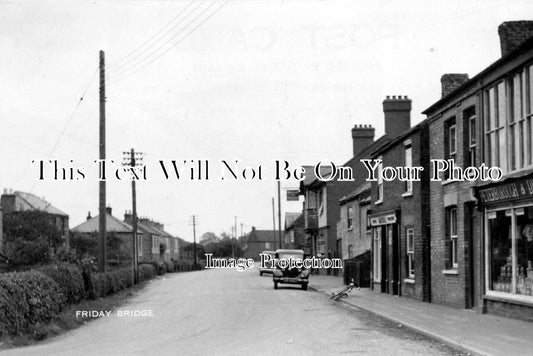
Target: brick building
x,y
294,232
482,232
257,241
400,216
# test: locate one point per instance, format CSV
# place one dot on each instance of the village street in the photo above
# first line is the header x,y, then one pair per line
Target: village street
x,y
226,312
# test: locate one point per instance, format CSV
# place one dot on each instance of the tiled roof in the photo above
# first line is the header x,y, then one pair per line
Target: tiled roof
x,y
112,225
262,236
28,201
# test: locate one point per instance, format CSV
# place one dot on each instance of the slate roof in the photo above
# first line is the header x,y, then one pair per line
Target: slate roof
x,y
363,188
27,201
112,225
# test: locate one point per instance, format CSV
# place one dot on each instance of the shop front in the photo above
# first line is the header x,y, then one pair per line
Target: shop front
x,y
385,252
508,247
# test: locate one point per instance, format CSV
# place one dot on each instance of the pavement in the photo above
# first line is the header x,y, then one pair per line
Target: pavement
x,y
467,330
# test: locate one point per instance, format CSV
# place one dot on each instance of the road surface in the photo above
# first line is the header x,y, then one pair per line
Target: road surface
x,y
225,312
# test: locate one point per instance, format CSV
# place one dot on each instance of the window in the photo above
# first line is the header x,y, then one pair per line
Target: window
x,y
470,138
452,233
139,244
510,250
350,251
410,237
408,163
350,217
368,222
450,140
155,244
508,123
267,245
380,181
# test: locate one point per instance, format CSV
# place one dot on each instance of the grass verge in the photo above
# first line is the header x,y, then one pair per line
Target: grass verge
x,y
67,319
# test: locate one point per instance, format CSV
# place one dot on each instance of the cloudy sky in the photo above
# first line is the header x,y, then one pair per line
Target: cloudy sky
x,y
253,81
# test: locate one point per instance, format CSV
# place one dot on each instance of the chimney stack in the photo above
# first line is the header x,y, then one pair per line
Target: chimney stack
x,y
513,34
362,137
451,81
89,217
397,110
1,231
108,210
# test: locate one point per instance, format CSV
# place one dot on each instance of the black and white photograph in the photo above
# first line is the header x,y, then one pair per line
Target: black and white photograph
x,y
266,177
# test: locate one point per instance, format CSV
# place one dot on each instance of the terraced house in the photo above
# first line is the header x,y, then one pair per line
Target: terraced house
x,y
482,232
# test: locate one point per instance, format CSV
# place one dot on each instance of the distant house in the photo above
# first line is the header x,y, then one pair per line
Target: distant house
x,y
121,229
295,236
16,201
257,241
156,244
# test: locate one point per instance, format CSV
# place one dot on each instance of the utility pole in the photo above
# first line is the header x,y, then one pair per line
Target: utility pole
x,y
279,212
194,222
274,223
235,238
102,241
241,240
130,159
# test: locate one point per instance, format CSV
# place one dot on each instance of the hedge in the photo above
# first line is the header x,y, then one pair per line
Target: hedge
x,y
69,279
110,282
28,299
146,271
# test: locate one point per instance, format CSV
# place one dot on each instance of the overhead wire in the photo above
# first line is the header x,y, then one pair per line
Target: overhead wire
x,y
176,43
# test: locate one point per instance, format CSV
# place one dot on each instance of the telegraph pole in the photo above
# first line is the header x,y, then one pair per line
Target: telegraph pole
x,y
235,237
279,212
194,222
241,240
130,159
274,223
102,241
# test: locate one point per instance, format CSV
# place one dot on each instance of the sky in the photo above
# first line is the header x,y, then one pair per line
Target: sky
x,y
254,81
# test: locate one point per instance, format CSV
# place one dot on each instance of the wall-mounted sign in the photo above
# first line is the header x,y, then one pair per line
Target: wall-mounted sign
x,y
293,195
383,220
518,189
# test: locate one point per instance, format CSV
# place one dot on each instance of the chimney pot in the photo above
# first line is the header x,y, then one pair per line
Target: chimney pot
x,y
89,217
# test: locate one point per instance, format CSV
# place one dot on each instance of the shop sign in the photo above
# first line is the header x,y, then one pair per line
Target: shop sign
x,y
383,220
293,195
508,191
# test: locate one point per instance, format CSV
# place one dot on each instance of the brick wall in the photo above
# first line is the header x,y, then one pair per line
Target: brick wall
x,y
453,287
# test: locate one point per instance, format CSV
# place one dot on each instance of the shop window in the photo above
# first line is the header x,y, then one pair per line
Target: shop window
x,y
408,163
511,250
377,254
350,217
410,237
451,232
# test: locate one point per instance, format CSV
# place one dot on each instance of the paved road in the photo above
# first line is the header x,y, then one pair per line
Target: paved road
x,y
224,312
